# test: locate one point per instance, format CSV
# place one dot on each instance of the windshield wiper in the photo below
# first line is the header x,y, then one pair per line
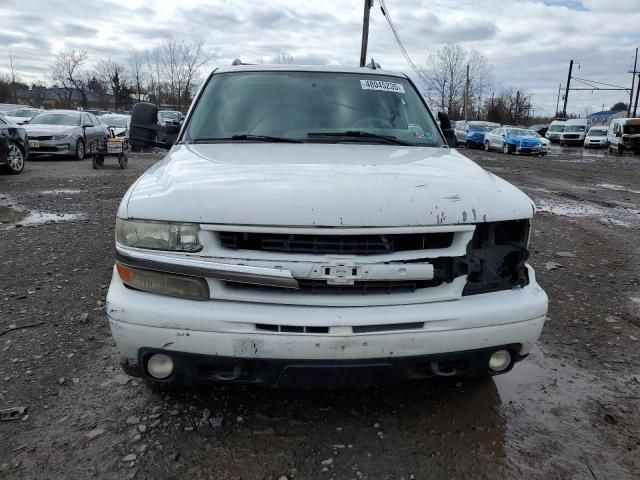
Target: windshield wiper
x,y
358,134
248,137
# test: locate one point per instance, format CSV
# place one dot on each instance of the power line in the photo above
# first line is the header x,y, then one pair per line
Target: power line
x,y
387,15
600,83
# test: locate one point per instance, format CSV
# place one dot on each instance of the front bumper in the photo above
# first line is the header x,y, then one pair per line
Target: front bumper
x,y
223,335
55,147
529,150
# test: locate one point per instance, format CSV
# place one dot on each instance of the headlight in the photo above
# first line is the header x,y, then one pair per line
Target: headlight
x,y
60,137
163,283
155,235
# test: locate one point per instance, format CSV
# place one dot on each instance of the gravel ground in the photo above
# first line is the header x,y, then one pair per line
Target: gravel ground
x,y
571,410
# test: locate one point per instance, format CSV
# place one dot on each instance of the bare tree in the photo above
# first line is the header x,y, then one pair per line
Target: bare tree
x,y
113,76
446,78
13,77
282,58
137,70
67,69
38,94
173,70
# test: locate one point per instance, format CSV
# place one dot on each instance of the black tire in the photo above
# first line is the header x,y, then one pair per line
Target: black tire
x,y
505,148
487,147
80,150
620,150
97,161
15,159
123,161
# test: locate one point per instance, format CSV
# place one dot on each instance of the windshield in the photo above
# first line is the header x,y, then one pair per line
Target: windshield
x,y
519,131
575,128
21,113
312,106
175,115
70,119
118,122
631,129
556,128
597,132
480,128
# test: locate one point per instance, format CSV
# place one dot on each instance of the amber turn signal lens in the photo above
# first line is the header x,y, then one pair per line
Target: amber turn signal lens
x,y
124,272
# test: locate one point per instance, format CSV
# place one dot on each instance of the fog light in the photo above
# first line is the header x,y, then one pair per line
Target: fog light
x,y
160,365
500,361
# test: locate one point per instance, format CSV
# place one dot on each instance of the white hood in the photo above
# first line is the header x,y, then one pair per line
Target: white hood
x,y
44,129
321,185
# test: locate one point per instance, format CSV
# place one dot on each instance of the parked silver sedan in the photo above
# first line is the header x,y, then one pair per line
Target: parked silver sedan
x,y
65,132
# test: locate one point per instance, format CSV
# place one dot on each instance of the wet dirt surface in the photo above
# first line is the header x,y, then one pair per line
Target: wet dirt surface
x,y
569,411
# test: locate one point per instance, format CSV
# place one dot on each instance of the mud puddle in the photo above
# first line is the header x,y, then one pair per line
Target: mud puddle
x,y
557,420
10,215
620,216
61,191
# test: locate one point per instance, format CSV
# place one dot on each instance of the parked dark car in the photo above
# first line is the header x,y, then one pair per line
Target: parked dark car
x,y
14,146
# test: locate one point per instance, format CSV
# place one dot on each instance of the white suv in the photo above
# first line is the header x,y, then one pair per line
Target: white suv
x,y
311,227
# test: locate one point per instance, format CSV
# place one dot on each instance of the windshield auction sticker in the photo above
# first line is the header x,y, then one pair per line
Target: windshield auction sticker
x,y
380,85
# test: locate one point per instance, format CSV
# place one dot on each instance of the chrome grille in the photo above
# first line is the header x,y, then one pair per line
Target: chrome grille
x,y
358,288
335,244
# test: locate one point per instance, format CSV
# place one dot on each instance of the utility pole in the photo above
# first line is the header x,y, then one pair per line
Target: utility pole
x,y
558,101
633,78
635,105
517,112
365,32
465,104
566,93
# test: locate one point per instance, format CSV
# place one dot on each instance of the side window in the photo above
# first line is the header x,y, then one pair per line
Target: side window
x,y
94,119
86,120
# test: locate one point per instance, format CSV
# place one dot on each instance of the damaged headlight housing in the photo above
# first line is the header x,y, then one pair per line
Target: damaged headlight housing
x,y
157,235
496,257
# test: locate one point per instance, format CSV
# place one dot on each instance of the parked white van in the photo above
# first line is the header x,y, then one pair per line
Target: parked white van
x,y
624,135
574,132
555,129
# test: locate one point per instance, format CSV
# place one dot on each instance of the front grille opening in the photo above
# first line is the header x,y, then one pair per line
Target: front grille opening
x,y
389,327
291,328
321,287
335,244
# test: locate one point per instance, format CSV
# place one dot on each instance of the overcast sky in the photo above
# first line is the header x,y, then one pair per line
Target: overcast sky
x,y
528,43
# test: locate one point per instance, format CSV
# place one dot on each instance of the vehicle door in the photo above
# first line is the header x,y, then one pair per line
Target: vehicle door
x,y
614,128
4,141
90,126
461,132
489,136
502,138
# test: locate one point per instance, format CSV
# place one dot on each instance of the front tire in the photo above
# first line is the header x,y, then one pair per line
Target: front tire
x,y
15,159
487,147
80,150
506,149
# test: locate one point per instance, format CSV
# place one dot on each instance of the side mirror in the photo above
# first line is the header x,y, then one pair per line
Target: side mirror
x,y
445,126
143,130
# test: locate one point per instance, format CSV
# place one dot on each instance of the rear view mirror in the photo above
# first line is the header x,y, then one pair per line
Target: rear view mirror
x,y
143,131
445,126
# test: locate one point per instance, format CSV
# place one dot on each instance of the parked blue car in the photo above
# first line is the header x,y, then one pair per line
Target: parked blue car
x,y
513,140
476,134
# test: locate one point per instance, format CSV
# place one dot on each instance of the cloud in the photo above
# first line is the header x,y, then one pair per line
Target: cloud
x,y
529,43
